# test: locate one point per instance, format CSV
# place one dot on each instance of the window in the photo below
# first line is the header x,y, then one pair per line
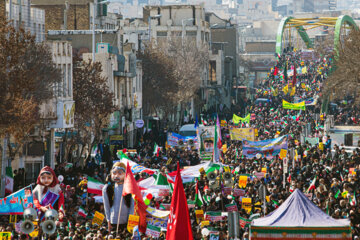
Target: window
x,y
32,170
191,33
64,80
69,81
212,72
161,34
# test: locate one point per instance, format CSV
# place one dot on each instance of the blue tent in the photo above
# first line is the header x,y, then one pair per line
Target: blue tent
x,y
299,218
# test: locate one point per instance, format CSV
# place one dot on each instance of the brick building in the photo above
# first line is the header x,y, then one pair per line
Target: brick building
x,y
2,7
74,13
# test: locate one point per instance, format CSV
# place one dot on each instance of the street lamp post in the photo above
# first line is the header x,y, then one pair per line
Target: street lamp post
x,y
210,40
183,23
149,22
93,25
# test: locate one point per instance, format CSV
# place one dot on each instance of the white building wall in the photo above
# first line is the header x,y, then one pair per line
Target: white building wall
x,y
30,18
62,57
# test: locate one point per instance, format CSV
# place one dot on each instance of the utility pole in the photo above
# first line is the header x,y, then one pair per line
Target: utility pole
x,y
3,165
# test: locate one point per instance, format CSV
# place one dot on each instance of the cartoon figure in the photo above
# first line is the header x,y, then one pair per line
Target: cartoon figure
x,y
112,197
47,194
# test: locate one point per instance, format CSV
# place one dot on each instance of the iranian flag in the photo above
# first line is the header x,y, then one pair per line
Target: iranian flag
x,y
312,185
94,186
352,200
164,180
82,212
276,204
9,181
156,150
122,156
217,141
198,198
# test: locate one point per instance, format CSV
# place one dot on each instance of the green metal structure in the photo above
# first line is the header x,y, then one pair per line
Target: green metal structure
x,y
299,24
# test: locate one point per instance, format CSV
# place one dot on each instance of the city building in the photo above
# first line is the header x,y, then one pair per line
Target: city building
x,y
75,15
57,113
224,36
32,19
124,74
177,20
314,5
2,7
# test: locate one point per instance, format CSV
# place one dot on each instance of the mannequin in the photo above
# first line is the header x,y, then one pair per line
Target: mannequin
x,y
47,194
114,201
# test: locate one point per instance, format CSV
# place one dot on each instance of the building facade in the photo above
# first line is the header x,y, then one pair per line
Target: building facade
x,y
75,15
32,19
57,113
186,21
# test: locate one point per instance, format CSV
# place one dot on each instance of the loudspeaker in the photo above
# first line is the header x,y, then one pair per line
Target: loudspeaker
x,y
213,183
48,227
27,227
211,176
30,214
227,179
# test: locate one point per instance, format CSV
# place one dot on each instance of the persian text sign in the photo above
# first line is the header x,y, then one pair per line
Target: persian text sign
x,y
17,202
240,134
268,148
213,216
98,218
153,231
246,204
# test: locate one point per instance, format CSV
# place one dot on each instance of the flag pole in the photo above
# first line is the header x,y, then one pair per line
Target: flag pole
x,y
118,219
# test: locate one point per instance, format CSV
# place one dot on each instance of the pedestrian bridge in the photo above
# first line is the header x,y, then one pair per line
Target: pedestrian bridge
x,y
301,26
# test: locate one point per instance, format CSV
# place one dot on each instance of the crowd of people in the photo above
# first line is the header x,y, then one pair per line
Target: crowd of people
x,y
337,183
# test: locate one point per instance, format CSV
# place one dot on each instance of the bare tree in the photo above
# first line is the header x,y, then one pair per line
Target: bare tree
x,y
159,82
94,104
173,71
191,60
345,77
27,78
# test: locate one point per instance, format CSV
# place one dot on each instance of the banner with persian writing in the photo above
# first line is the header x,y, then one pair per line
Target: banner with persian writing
x,y
266,148
16,203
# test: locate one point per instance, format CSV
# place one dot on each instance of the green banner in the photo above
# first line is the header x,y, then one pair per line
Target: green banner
x,y
294,106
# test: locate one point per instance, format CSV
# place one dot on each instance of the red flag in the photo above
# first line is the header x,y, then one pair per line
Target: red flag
x,y
131,187
179,226
294,77
276,71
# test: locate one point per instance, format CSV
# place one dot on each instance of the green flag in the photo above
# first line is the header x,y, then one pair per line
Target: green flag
x,y
198,199
237,119
122,156
337,194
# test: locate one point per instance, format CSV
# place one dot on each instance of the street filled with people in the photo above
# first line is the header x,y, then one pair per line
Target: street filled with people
x,y
325,172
